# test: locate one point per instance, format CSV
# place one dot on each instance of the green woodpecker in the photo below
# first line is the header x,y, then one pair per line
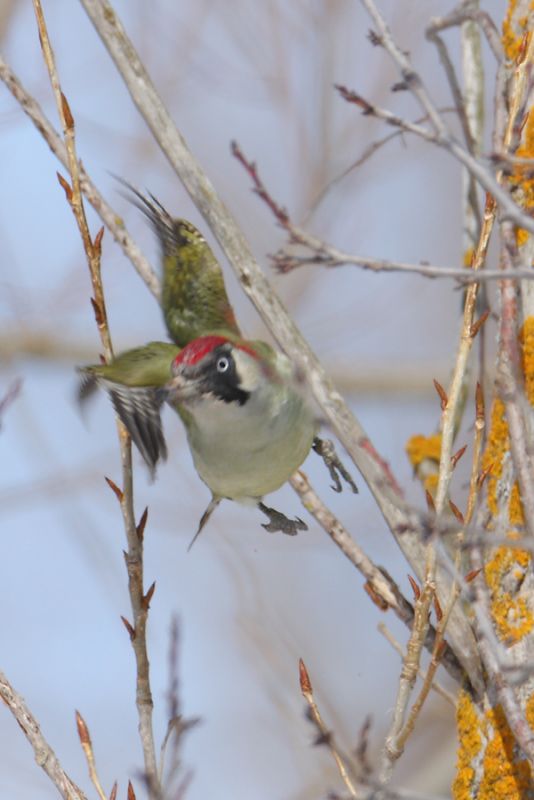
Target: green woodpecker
x,y
248,424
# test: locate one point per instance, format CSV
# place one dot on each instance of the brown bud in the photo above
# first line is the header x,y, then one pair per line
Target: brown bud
x,y
148,596
67,115
430,501
442,394
129,628
472,575
415,588
83,731
304,679
141,525
65,186
97,244
476,326
99,313
113,486
457,456
377,598
483,475
457,513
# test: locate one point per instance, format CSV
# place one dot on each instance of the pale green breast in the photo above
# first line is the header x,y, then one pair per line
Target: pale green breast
x,y
244,452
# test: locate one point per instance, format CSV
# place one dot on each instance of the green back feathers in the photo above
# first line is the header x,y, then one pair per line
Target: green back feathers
x,y
193,298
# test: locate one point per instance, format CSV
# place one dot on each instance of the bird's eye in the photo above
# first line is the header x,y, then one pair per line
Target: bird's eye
x,y
223,364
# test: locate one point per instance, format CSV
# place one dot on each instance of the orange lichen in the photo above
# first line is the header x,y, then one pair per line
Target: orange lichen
x,y
430,483
422,448
504,573
522,183
513,31
529,711
527,345
470,744
503,773
498,444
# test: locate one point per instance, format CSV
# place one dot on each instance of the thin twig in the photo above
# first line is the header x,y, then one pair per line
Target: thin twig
x,y
325,255
9,397
87,747
325,735
134,535
44,755
379,584
463,14
441,135
438,688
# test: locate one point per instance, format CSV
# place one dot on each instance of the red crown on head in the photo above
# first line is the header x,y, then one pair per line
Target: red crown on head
x,y
196,350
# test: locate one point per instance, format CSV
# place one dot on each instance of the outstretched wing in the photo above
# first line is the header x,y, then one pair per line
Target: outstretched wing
x,y
133,381
139,409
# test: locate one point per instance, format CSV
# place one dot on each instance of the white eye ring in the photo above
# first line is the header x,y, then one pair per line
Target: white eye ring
x,y
223,364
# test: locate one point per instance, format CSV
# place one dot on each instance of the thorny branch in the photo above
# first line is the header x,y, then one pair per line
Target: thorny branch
x,y
134,533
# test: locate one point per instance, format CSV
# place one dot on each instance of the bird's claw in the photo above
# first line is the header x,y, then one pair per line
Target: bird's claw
x,y
325,448
279,522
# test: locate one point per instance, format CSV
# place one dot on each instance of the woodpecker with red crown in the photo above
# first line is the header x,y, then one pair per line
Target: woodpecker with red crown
x,y
248,424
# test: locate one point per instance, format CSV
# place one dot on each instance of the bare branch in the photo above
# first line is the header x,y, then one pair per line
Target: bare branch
x,y
134,535
379,584
44,755
469,12
441,136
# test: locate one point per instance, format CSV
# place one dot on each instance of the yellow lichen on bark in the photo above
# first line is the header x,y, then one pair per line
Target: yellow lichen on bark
x,y
513,31
527,349
498,444
507,567
467,723
502,774
522,182
422,448
504,575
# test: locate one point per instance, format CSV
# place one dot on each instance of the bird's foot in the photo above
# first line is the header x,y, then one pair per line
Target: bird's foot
x,y
279,522
325,448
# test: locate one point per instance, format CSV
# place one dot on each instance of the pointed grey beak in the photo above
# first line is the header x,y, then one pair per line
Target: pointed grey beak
x,y
180,389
